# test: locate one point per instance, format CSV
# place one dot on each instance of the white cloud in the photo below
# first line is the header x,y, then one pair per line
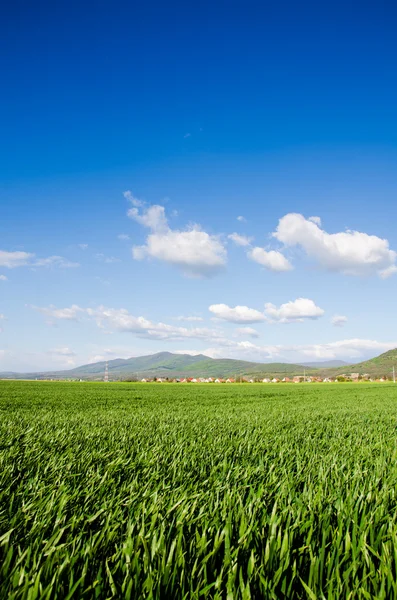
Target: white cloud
x,y
182,318
348,252
296,310
352,350
55,261
241,219
247,331
349,349
128,195
83,246
3,278
187,135
385,273
339,320
64,314
272,260
121,320
10,260
240,240
152,217
238,314
316,220
2,316
123,237
195,252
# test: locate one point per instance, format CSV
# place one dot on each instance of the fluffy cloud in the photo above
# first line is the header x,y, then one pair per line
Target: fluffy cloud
x,y
153,218
10,260
123,237
338,320
348,252
121,320
272,259
194,251
247,332
83,246
238,314
64,314
296,310
3,278
240,240
241,219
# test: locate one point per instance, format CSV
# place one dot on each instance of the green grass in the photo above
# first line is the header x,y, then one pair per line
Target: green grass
x,y
167,491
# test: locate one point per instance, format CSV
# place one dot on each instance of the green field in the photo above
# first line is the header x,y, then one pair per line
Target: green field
x,y
189,491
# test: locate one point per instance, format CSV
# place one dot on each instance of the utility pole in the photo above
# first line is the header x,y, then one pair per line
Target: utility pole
x,y
106,377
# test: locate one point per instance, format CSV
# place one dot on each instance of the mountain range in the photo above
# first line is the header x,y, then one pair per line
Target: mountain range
x,y
167,364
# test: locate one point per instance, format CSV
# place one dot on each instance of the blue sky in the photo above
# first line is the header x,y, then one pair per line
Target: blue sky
x,y
133,139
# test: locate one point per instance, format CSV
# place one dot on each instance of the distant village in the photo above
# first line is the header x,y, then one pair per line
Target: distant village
x,y
354,377
351,377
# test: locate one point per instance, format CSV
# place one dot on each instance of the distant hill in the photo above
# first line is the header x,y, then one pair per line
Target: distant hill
x,y
167,364
325,364
376,367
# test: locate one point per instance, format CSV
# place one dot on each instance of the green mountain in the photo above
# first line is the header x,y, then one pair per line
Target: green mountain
x,y
380,366
167,364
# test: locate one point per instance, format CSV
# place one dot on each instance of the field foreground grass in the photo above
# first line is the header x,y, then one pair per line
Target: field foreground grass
x,y
167,491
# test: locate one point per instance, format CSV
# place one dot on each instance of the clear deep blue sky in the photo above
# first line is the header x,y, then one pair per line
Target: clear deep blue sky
x,y
214,111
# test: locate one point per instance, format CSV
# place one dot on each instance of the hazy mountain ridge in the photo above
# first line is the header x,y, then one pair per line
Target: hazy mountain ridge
x,y
167,364
325,364
378,366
